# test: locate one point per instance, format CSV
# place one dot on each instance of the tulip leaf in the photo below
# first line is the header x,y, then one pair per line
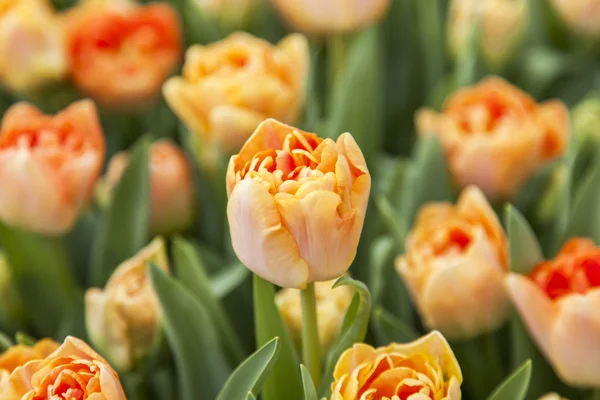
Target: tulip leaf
x,y
432,41
123,229
354,329
515,386
285,381
25,339
41,271
310,393
525,250
388,328
391,219
5,342
381,255
250,375
226,280
192,337
250,396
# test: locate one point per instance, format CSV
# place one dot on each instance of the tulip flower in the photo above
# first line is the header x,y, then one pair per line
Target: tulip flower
x,y
72,371
425,369
136,46
582,16
32,45
172,197
297,204
558,302
48,165
331,304
333,16
122,319
495,136
454,266
501,26
19,355
228,88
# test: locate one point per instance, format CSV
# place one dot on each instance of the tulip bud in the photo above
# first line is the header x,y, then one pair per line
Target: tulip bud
x,y
586,120
558,302
333,16
49,165
581,16
501,27
331,309
230,14
122,319
172,197
11,311
297,204
454,265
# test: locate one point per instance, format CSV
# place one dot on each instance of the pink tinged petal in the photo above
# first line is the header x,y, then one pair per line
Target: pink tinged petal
x,y
536,309
327,238
110,385
454,392
348,147
270,134
576,340
259,238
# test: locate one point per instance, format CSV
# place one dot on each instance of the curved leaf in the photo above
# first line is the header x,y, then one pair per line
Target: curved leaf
x,y
515,386
250,375
5,342
310,393
388,328
584,219
525,250
227,279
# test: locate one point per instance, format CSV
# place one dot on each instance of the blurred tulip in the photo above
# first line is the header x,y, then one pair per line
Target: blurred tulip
x,y
495,136
332,305
230,14
228,88
501,27
19,354
582,16
586,119
121,53
73,371
122,319
454,266
552,396
172,197
332,16
297,204
559,302
32,45
48,165
425,369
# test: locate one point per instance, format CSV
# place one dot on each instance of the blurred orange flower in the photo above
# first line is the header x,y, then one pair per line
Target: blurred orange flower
x,y
495,136
121,54
48,165
18,355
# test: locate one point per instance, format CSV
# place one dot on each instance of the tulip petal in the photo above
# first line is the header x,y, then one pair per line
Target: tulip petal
x,y
295,48
232,125
259,238
181,99
270,134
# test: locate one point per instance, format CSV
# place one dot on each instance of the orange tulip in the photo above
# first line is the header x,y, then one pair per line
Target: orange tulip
x,y
48,165
425,369
120,53
228,88
559,304
32,45
582,16
454,266
172,197
73,371
297,204
495,136
333,16
19,355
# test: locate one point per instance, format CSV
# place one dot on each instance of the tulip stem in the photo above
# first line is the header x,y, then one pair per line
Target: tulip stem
x,y
310,334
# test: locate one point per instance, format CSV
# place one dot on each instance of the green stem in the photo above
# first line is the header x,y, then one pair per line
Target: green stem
x,y
310,334
336,57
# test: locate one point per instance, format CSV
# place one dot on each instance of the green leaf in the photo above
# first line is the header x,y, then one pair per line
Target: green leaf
x,y
5,342
25,339
251,374
250,396
515,386
391,219
123,228
285,381
192,275
432,41
525,250
228,279
310,393
192,338
354,329
383,250
41,270
198,26
388,328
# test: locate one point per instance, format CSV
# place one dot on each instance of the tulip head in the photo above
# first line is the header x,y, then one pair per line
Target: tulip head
x,y
297,204
333,16
172,197
136,46
72,371
495,136
32,45
228,88
558,302
49,165
332,305
454,265
424,369
122,319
